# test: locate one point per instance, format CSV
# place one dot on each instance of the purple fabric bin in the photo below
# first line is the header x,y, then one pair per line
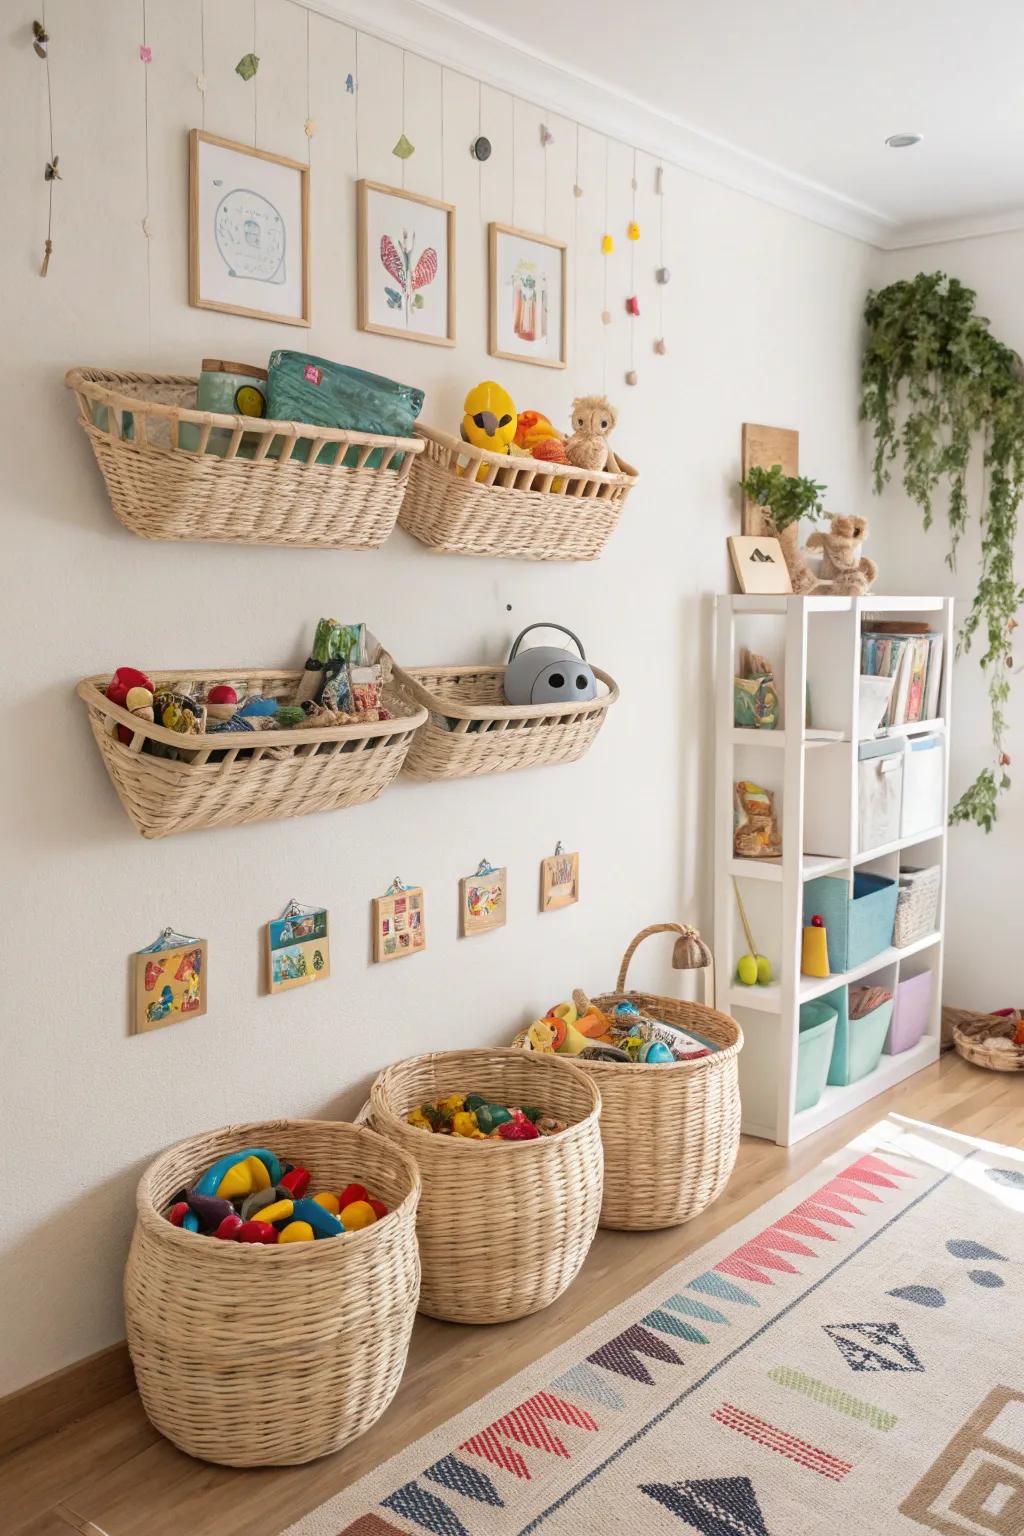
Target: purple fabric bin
x,y
910,1015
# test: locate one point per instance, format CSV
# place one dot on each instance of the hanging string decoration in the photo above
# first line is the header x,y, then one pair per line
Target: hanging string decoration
x,y
247,65
633,302
350,84
145,53
662,275
546,136
51,172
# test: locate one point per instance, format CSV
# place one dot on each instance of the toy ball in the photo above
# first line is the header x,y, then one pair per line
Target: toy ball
x,y
746,970
545,674
764,970
256,1232
817,921
230,1227
297,1232
656,1053
329,1202
359,1214
222,693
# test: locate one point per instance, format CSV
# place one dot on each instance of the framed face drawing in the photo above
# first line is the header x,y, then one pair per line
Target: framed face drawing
x,y
248,231
406,264
527,297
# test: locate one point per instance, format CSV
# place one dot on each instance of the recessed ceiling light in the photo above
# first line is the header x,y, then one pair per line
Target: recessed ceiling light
x,y
903,140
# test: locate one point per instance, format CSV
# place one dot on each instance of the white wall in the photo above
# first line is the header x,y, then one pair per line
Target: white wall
x,y
762,321
982,961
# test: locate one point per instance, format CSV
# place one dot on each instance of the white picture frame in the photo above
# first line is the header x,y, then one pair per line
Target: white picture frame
x,y
405,264
528,297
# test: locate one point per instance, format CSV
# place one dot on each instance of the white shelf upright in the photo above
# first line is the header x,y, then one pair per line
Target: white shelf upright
x,y
814,645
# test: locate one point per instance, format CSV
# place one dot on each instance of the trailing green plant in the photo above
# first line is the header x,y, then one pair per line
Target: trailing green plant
x,y
938,386
784,499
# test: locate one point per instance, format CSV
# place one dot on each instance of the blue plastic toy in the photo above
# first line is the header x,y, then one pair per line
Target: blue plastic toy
x,y
656,1053
324,1224
209,1183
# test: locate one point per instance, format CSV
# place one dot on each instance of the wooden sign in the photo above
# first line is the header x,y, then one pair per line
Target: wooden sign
x,y
399,922
759,564
168,981
483,900
763,447
559,881
298,948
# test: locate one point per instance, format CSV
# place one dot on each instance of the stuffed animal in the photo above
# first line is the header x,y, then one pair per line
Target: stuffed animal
x,y
490,419
592,418
844,570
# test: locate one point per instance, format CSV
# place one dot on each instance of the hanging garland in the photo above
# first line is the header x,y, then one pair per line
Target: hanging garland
x,y
963,390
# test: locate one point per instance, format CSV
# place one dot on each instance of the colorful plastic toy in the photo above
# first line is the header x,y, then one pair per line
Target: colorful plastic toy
x,y
297,1232
230,1227
352,1192
329,1202
256,1232
281,1210
209,1209
814,952
210,1181
656,1053
322,1222
295,1181
358,1214
379,1208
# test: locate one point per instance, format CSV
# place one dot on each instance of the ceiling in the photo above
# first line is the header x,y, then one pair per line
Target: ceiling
x,y
811,87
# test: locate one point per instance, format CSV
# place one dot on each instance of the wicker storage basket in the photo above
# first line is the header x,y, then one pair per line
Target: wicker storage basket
x,y
503,1225
228,779
522,509
265,487
970,1031
670,1133
917,905
265,1356
471,729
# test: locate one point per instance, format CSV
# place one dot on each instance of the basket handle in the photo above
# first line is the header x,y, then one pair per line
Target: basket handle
x,y
690,953
548,625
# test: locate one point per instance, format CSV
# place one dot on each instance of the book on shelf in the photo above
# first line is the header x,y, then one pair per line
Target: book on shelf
x,y
913,659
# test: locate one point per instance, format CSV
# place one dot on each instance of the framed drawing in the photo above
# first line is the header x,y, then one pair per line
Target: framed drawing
x,y
399,922
248,216
759,564
168,981
528,308
298,948
559,880
406,264
483,900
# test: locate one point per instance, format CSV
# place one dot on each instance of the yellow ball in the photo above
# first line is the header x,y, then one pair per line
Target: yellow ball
x,y
297,1232
764,970
328,1201
746,970
357,1215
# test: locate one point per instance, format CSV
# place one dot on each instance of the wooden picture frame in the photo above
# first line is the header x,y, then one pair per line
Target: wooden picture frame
x,y
499,260
373,268
760,565
168,984
399,924
257,233
483,901
559,881
298,948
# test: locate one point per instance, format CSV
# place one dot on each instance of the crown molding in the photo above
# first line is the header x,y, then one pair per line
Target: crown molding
x,y
943,231
431,29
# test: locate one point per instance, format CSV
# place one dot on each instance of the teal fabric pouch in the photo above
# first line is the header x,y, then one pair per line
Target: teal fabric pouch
x,y
326,394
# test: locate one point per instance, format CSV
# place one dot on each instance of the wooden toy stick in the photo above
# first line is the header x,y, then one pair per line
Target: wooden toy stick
x,y
743,918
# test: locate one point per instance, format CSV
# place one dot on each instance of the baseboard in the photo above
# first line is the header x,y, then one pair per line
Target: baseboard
x,y
67,1395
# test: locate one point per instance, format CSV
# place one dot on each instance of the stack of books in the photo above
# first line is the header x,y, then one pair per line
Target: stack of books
x,y
914,658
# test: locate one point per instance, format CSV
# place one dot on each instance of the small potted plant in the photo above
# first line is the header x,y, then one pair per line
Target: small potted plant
x,y
784,500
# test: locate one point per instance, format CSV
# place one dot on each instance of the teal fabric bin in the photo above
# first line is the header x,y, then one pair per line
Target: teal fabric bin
x,y
858,1042
814,1052
858,928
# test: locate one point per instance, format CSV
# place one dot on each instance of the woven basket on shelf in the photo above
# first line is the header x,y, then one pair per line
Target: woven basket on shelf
x,y
503,1225
260,482
670,1133
472,730
523,509
971,1030
917,906
227,779
265,1356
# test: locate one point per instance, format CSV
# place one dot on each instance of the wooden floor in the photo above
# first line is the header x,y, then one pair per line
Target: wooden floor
x,y
111,1474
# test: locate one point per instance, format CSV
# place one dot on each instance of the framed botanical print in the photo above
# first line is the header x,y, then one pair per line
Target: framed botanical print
x,y
406,264
528,299
248,248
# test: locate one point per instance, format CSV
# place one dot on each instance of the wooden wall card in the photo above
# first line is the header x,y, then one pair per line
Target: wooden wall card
x,y
298,947
559,880
399,922
765,446
759,564
483,900
168,981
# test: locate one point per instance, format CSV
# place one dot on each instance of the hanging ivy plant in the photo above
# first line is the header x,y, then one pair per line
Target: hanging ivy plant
x,y
938,386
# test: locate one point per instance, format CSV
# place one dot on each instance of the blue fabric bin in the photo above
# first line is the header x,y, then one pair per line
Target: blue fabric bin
x,y
858,928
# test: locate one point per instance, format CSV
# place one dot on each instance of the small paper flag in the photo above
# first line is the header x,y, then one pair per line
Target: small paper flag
x,y
247,65
403,149
145,53
350,85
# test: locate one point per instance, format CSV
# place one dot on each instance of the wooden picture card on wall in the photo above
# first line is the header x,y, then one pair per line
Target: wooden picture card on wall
x,y
168,981
483,900
559,881
399,922
298,947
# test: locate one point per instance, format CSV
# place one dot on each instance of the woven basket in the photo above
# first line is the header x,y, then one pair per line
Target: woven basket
x,y
265,1356
266,487
228,779
503,1225
472,730
917,906
670,1133
522,509
970,1030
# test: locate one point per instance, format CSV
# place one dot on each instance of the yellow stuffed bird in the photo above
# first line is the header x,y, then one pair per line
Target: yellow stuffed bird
x,y
490,420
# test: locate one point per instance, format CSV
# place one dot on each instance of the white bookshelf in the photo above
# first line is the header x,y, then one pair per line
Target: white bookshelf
x,y
814,645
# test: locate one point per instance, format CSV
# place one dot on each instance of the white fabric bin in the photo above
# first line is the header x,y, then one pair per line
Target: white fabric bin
x,y
924,776
879,791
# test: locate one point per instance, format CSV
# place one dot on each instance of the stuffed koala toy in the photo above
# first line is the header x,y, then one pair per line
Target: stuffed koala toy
x,y
844,570
592,417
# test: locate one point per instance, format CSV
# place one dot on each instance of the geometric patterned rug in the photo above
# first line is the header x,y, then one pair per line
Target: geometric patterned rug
x,y
850,1358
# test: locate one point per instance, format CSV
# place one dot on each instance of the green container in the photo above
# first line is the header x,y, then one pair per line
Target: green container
x,y
814,1052
858,1045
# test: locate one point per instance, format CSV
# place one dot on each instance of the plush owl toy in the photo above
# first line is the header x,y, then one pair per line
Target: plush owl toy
x,y
592,418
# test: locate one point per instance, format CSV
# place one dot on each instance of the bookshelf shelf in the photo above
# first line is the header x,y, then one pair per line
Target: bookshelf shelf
x,y
814,645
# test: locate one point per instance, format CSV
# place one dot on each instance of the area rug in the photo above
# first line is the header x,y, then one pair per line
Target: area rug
x,y
848,1359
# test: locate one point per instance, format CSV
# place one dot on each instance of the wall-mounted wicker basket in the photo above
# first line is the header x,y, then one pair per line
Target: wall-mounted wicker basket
x,y
521,509
229,778
173,472
471,730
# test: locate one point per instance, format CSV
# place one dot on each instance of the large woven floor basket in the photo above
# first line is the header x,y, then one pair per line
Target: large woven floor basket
x,y
468,501
265,1356
472,730
227,779
503,1225
670,1133
173,472
974,1034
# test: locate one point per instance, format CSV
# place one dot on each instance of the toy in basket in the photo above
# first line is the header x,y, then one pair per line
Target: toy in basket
x,y
474,1116
991,1040
670,1128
